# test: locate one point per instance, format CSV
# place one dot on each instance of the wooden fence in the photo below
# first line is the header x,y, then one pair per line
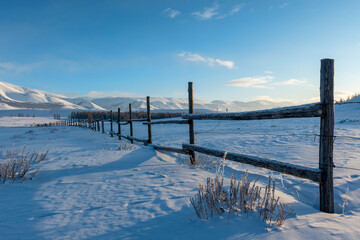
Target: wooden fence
x,y
325,110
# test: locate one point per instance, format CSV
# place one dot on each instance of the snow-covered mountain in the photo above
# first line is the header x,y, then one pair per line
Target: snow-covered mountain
x,y
16,97
178,104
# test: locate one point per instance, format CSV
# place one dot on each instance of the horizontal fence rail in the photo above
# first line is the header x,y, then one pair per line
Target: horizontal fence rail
x,y
180,121
170,149
295,170
303,111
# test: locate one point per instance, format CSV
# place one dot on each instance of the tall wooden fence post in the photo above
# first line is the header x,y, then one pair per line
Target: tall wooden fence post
x,y
98,125
149,119
130,123
327,135
111,123
191,121
119,126
102,123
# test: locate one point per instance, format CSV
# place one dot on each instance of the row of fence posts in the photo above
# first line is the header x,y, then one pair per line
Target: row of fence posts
x,y
324,110
98,125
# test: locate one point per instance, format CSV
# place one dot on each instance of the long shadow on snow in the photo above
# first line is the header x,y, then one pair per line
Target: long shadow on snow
x,y
130,160
184,224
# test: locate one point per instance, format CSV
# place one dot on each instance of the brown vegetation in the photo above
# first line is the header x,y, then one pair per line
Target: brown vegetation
x,y
243,196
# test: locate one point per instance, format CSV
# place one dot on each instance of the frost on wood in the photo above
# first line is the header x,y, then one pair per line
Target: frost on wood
x,y
302,111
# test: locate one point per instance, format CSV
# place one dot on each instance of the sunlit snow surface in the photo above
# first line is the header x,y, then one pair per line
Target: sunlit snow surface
x,y
88,188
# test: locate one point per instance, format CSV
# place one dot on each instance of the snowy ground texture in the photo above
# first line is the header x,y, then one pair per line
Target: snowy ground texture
x,y
92,187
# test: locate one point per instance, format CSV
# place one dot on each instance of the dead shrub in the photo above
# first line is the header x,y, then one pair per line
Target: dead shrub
x,y
126,146
243,196
203,161
20,165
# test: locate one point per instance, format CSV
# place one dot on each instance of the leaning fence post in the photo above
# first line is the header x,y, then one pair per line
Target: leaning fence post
x,y
130,123
327,135
149,119
111,123
102,123
119,126
191,122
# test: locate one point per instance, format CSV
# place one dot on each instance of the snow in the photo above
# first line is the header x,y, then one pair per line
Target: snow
x,y
91,188
17,97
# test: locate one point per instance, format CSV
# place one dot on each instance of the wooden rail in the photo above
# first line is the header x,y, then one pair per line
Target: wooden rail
x,y
177,121
169,149
291,169
138,120
303,111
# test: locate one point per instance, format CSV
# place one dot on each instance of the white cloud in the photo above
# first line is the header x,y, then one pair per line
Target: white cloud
x,y
17,68
284,5
214,11
342,94
236,9
254,82
194,57
268,72
270,99
171,13
208,13
100,94
292,81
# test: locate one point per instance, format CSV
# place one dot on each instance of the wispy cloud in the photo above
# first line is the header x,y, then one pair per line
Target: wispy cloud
x,y
236,9
265,82
284,5
293,81
268,72
194,57
208,12
214,12
270,99
343,94
10,67
171,13
253,82
100,94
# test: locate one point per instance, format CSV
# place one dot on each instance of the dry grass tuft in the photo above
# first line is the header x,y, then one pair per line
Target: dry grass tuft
x,y
203,161
126,146
243,196
20,165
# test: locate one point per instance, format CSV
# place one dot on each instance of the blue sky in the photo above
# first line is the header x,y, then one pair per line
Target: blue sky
x,y
231,50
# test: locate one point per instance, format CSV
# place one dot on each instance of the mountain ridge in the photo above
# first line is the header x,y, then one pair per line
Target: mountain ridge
x,y
17,97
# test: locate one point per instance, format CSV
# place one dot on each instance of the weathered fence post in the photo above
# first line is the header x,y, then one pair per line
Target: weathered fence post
x,y
98,125
119,126
191,121
131,123
102,123
149,119
111,123
327,135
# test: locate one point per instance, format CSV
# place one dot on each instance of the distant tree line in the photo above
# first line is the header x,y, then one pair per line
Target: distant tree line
x,y
123,115
341,100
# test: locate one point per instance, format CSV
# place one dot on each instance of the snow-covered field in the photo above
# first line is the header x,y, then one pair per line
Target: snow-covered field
x,y
91,188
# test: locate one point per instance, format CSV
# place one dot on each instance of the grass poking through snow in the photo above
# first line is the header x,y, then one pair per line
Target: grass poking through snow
x,y
244,196
20,165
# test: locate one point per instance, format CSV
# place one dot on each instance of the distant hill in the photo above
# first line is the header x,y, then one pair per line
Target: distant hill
x,y
16,97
